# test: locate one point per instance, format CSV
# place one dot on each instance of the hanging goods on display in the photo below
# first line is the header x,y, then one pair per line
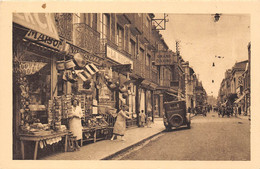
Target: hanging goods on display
x,y
79,60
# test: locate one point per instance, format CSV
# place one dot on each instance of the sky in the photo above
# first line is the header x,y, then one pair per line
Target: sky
x,y
201,39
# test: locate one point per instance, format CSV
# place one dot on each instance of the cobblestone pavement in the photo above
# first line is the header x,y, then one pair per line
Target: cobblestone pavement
x,y
210,138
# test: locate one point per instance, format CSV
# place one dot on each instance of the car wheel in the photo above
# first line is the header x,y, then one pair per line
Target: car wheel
x,y
176,120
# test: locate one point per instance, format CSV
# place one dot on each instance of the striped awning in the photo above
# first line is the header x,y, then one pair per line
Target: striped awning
x,y
240,98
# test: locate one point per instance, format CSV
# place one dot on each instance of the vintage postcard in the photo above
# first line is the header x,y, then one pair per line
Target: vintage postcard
x,y
121,84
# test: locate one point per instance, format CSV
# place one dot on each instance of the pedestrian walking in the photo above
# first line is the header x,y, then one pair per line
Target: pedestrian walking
x,y
223,111
228,111
143,117
120,125
189,110
235,110
239,110
204,110
75,125
219,111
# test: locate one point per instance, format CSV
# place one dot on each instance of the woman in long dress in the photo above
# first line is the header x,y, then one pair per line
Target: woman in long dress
x,y
120,125
75,121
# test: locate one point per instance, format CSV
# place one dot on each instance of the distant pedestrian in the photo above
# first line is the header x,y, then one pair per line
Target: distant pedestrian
x,y
239,110
219,111
235,110
149,120
143,117
189,110
120,125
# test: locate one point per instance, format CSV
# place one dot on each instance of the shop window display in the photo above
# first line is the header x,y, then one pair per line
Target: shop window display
x,y
33,72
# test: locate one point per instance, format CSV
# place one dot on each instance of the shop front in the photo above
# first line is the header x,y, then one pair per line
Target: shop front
x,y
34,78
126,87
147,100
48,73
162,95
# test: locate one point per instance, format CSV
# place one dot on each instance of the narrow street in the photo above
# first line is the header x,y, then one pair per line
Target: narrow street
x,y
103,86
210,138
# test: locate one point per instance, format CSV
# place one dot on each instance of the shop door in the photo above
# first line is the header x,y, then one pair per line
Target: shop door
x,y
142,101
156,106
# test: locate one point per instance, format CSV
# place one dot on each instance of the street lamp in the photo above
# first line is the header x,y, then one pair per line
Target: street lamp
x,y
216,17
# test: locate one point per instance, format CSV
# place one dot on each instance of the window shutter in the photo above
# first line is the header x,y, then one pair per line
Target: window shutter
x,y
127,42
113,24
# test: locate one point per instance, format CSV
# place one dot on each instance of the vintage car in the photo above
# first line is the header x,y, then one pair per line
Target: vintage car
x,y
175,115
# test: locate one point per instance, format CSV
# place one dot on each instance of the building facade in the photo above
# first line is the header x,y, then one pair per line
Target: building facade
x,y
104,59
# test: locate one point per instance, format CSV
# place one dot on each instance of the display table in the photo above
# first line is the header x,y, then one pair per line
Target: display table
x,y
95,133
38,138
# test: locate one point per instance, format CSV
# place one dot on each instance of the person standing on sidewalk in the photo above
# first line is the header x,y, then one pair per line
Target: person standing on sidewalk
x,y
75,121
143,117
120,125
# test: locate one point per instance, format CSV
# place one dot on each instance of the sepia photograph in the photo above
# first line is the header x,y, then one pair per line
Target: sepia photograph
x,y
120,86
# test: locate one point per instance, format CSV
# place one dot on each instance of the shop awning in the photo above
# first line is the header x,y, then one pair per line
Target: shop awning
x,y
153,86
240,98
145,83
129,81
179,98
41,22
148,84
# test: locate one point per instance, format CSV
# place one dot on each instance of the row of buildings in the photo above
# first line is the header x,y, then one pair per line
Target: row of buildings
x,y
235,87
135,65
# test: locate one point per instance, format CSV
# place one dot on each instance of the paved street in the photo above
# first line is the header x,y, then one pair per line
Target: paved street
x,y
210,138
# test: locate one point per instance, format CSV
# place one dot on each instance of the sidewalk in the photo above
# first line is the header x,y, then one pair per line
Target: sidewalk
x,y
243,117
106,148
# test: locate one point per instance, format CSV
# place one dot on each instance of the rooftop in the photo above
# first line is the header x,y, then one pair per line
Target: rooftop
x,y
240,66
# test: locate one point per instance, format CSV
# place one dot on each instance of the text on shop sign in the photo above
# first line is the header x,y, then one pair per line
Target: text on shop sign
x,y
164,58
43,39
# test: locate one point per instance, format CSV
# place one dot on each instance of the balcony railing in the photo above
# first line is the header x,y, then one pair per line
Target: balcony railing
x,y
147,72
104,42
136,23
87,38
154,76
64,25
138,68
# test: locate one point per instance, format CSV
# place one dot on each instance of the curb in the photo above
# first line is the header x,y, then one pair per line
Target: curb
x,y
129,147
245,118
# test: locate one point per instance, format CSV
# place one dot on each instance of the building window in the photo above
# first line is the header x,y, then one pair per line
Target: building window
x,y
132,48
147,22
105,26
141,54
119,37
94,21
79,18
147,60
88,19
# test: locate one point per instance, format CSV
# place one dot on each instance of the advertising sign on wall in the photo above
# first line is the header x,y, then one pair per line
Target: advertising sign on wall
x,y
164,58
118,57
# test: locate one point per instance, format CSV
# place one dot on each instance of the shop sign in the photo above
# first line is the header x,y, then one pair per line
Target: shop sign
x,y
40,22
122,68
118,57
43,39
164,58
29,68
89,57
